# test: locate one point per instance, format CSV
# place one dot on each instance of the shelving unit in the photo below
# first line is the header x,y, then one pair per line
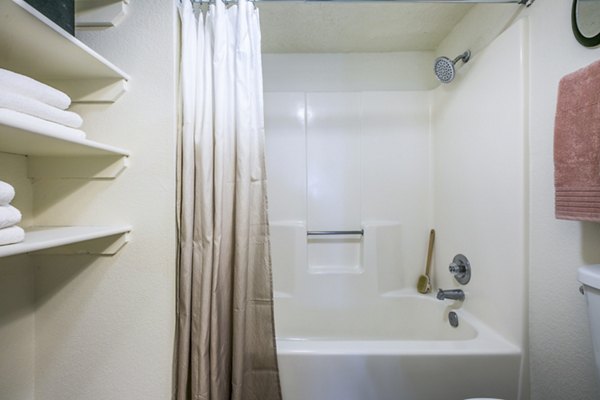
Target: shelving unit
x,y
99,14
33,45
18,136
41,238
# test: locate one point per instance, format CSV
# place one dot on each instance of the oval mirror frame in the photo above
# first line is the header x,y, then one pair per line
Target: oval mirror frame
x,y
581,38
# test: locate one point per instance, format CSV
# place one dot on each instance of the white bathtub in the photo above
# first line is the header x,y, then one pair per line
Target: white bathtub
x,y
394,348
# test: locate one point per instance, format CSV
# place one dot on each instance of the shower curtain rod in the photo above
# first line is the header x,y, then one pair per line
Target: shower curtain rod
x,y
523,2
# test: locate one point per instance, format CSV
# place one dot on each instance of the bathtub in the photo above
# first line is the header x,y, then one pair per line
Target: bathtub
x,y
397,347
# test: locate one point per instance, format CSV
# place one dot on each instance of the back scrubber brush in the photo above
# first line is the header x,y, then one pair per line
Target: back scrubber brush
x,y
424,283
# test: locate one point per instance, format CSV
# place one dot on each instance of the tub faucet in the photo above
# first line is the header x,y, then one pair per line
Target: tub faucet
x,y
452,294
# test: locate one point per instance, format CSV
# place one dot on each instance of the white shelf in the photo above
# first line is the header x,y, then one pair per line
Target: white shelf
x,y
32,45
41,138
99,14
40,238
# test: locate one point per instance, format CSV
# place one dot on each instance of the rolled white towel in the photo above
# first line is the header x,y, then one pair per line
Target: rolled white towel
x,y
14,234
7,193
29,87
38,125
9,216
17,102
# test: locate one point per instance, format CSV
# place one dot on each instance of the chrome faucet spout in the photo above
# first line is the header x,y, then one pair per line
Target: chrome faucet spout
x,y
451,294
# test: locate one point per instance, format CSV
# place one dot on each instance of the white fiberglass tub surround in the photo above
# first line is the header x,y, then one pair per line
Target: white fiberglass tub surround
x,y
400,347
349,322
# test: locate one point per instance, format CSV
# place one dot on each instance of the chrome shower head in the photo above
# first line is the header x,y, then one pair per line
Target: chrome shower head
x,y
444,67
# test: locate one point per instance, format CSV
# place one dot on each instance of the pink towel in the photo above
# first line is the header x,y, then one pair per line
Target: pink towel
x,y
577,145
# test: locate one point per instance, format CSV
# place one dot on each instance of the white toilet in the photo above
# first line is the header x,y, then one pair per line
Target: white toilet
x,y
590,277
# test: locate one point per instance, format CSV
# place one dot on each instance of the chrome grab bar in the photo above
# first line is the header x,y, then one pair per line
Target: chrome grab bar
x,y
327,233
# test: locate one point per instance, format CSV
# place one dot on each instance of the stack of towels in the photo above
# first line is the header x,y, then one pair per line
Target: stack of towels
x,y
9,217
25,102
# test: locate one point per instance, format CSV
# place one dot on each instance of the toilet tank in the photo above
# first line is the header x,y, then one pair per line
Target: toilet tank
x,y
590,277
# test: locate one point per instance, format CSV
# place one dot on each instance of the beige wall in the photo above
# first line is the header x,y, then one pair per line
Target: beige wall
x,y
562,366
88,327
17,295
105,325
16,329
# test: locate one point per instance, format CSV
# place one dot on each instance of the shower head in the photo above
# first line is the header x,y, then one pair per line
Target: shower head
x,y
444,67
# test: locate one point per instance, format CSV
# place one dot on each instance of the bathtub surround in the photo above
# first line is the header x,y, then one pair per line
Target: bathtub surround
x,y
225,345
403,161
485,225
375,148
555,330
577,146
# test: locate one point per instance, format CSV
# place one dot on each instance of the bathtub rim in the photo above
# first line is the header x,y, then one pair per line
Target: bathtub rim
x,y
486,342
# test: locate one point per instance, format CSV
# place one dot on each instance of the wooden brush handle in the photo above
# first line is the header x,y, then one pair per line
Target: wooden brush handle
x,y
430,252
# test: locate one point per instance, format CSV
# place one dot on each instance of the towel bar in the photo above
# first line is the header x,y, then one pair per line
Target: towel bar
x,y
326,233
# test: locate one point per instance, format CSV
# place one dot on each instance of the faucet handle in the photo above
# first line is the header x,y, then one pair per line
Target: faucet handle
x,y
461,269
457,268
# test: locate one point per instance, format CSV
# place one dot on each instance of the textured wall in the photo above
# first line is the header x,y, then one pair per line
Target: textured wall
x,y
17,295
16,328
560,346
105,325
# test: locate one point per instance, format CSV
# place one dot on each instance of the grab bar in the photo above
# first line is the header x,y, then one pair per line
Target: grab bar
x,y
326,233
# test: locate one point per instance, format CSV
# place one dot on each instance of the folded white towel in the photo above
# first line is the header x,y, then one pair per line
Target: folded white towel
x,y
16,102
9,216
38,125
7,193
29,87
14,234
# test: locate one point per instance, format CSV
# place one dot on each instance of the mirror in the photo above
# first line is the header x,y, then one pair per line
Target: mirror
x,y
585,20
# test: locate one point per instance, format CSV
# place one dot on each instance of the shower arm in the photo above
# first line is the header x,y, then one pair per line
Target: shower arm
x,y
464,57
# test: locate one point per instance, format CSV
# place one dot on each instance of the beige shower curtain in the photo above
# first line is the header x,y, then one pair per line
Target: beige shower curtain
x,y
225,344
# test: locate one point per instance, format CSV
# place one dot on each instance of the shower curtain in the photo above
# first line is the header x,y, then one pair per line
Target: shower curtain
x,y
225,342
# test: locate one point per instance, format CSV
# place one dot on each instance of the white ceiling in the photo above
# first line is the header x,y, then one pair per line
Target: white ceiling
x,y
322,27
